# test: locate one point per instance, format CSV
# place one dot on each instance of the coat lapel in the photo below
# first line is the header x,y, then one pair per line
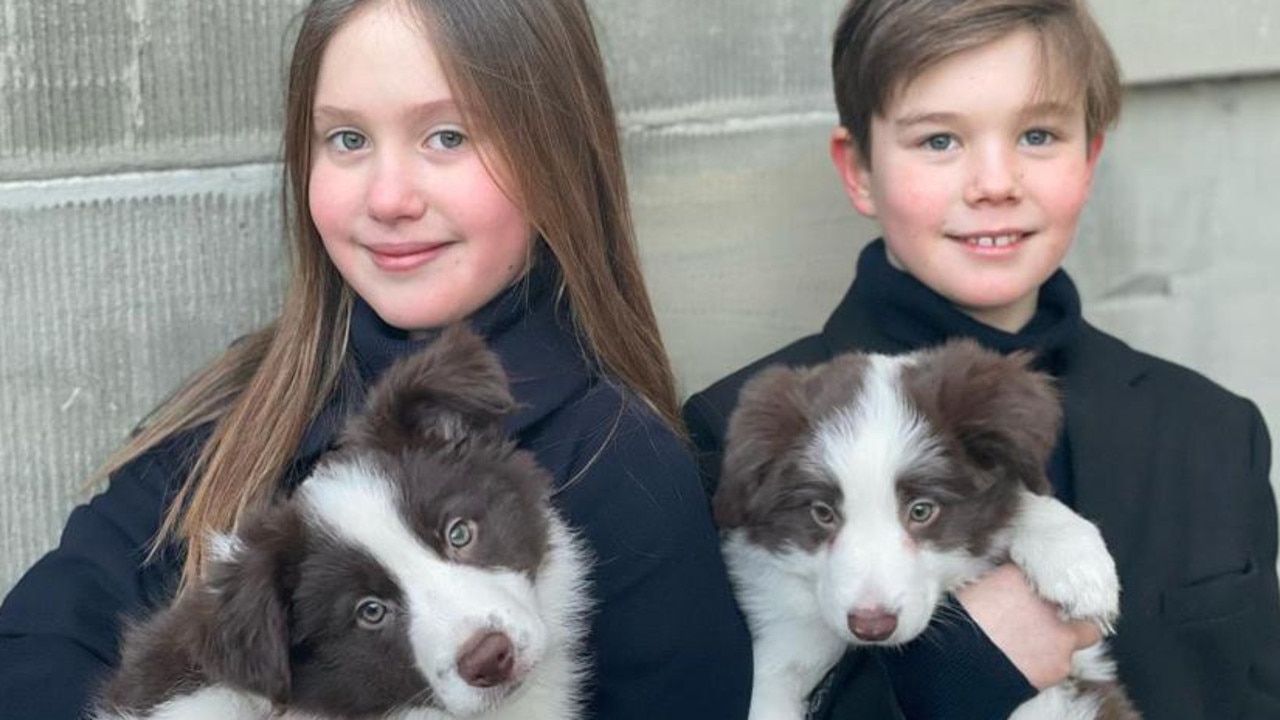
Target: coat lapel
x,y
1110,437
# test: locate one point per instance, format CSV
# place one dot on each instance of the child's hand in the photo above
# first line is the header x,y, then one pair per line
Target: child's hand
x,y
1028,629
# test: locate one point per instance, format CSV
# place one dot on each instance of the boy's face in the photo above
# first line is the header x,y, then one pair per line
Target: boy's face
x,y
977,178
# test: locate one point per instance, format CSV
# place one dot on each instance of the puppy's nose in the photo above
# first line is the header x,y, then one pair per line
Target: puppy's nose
x,y
872,625
486,659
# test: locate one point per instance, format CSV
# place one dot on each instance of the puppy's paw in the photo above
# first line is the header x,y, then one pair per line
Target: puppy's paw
x,y
1065,558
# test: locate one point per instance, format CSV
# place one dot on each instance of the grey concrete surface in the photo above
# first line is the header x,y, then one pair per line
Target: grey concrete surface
x,y
139,225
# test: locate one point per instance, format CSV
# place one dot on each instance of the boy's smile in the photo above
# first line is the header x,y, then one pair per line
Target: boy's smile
x,y
979,169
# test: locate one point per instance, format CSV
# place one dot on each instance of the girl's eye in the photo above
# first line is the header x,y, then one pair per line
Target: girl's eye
x,y
940,142
460,533
922,511
371,612
446,139
1037,138
348,140
823,514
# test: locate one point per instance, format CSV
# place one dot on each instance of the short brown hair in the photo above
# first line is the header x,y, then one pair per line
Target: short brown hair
x,y
880,46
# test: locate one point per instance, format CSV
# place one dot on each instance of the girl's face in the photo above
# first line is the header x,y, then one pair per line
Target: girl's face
x,y
406,208
977,181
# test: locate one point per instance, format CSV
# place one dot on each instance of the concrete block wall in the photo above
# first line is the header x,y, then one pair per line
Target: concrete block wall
x,y
139,216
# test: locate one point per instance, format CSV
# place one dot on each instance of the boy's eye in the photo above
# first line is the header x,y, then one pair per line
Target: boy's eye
x,y
348,140
1037,138
446,139
940,142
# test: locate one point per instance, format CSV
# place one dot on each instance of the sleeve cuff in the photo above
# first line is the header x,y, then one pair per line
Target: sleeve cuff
x,y
954,671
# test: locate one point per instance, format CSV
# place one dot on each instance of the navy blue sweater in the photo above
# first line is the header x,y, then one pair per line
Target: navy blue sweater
x,y
667,640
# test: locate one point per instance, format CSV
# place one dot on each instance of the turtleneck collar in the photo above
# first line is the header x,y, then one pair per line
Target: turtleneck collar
x,y
527,326
376,345
913,316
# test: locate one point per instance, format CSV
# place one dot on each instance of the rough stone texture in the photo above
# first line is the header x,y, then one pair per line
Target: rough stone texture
x,y
1163,40
139,218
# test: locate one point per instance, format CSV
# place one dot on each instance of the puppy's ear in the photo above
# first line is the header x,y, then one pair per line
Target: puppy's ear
x,y
244,599
776,412
437,396
1005,416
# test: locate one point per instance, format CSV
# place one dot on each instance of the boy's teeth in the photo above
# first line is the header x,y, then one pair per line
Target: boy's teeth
x,y
988,241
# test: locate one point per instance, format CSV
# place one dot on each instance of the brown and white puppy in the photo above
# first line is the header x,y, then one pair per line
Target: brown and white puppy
x,y
419,573
855,494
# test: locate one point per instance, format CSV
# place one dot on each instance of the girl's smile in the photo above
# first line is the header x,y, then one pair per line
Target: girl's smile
x,y
403,257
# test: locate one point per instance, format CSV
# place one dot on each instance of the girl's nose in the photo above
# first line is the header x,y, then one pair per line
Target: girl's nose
x,y
396,192
995,178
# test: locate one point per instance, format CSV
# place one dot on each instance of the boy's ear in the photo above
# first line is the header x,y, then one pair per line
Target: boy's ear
x,y
1095,152
1095,148
855,174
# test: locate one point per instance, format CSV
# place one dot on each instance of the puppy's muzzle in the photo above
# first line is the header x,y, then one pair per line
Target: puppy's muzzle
x,y
487,659
873,625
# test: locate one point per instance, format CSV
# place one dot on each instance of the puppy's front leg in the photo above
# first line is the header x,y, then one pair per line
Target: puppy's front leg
x,y
1065,559
791,656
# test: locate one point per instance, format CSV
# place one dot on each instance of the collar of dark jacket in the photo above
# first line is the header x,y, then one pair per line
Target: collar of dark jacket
x,y
529,328
908,315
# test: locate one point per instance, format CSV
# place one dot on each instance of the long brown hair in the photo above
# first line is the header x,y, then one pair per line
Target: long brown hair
x,y
532,84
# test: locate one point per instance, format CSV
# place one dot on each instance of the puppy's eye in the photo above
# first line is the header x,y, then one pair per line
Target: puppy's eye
x,y
371,613
460,533
823,514
922,512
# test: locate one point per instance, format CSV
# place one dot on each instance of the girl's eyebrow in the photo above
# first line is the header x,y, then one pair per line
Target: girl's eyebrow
x,y
339,114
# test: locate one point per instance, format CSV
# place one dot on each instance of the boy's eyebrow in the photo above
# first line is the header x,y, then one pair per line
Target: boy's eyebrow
x,y
1048,108
334,113
923,118
1035,110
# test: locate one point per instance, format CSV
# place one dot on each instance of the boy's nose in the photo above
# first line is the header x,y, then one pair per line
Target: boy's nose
x,y
396,192
994,178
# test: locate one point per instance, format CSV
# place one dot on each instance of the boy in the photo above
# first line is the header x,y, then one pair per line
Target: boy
x,y
970,130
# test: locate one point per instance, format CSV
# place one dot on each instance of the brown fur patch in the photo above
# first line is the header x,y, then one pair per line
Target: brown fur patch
x,y
767,487
998,421
452,390
1115,703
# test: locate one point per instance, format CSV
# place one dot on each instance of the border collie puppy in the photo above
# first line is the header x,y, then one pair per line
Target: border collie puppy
x,y
418,574
855,494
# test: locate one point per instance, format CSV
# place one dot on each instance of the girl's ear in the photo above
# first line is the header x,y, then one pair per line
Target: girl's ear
x,y
855,174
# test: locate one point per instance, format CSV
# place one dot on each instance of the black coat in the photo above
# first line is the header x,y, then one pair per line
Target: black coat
x,y
1173,469
667,639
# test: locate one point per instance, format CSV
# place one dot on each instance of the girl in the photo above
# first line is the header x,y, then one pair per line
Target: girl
x,y
447,161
